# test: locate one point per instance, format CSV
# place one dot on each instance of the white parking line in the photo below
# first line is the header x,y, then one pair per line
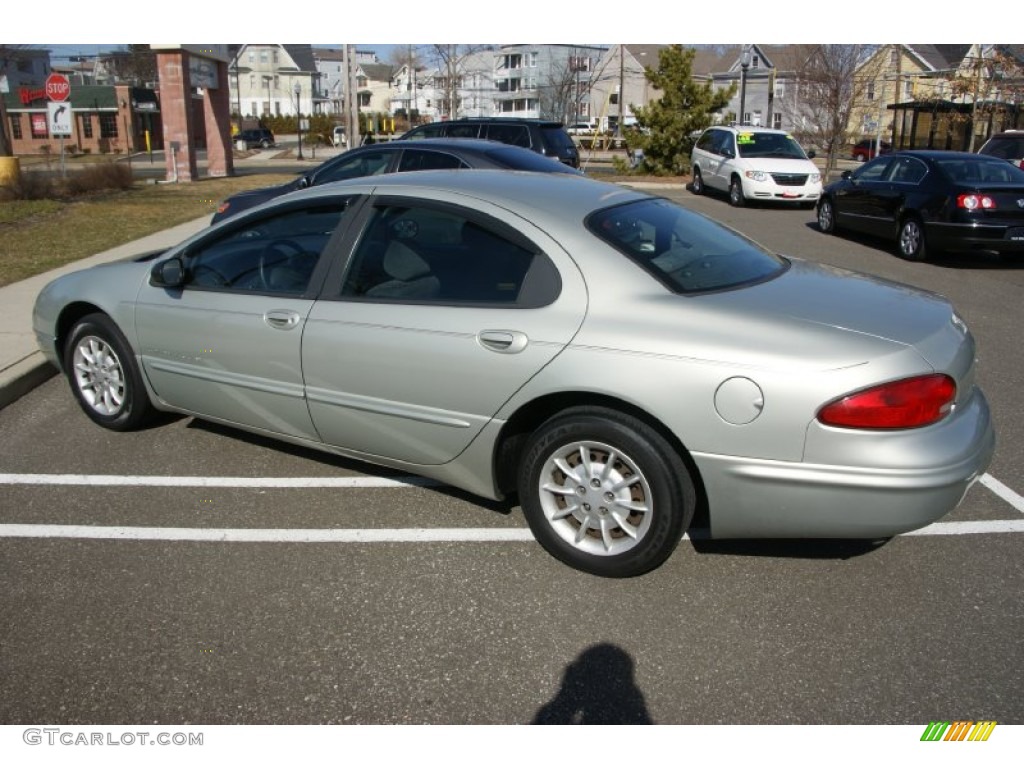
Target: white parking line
x,y
379,535
299,535
159,481
1015,500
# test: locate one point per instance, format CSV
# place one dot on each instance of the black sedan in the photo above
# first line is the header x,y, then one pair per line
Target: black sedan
x,y
423,155
930,201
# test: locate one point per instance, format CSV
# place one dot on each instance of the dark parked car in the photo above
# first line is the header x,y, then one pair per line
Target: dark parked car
x,y
929,201
375,159
547,137
1008,145
255,137
865,149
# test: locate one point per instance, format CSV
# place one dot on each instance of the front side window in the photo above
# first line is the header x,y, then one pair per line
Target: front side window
x,y
873,171
275,255
439,255
685,251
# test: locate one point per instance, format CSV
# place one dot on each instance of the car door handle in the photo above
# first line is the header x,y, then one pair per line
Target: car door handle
x,y
506,342
281,319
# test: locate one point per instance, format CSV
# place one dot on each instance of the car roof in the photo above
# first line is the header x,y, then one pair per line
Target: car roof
x,y
546,199
478,145
937,154
747,129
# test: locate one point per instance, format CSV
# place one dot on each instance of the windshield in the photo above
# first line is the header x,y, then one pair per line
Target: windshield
x,y
684,250
753,144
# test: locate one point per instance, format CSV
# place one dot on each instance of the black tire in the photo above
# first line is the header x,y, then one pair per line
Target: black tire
x,y
826,216
736,197
638,524
910,242
104,375
860,158
697,185
265,144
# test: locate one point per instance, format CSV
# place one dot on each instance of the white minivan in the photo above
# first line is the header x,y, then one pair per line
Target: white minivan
x,y
754,164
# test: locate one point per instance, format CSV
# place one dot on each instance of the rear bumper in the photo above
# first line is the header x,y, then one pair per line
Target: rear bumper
x,y
965,238
755,498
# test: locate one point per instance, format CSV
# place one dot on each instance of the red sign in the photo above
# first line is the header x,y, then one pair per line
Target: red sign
x,y
57,87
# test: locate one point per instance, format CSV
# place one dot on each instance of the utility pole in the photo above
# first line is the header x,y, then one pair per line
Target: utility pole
x,y
974,104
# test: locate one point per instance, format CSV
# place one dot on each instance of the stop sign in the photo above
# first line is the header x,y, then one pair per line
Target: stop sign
x,y
57,87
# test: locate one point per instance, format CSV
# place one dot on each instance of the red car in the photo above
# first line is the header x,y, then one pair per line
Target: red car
x,y
865,149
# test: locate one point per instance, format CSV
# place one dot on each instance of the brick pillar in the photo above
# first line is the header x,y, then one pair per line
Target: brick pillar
x,y
176,112
217,106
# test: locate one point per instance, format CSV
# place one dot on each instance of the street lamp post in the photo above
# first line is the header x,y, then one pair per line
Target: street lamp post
x,y
744,66
298,116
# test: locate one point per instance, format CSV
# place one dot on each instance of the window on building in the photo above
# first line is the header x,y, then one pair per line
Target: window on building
x,y
871,90
894,57
252,57
777,121
613,98
38,126
532,58
108,126
86,126
780,88
16,126
263,56
756,62
274,52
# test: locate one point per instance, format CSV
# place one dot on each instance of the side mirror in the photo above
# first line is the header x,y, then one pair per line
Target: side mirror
x,y
168,274
846,175
811,155
304,182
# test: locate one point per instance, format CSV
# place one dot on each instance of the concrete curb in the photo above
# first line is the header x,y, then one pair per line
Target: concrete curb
x,y
24,376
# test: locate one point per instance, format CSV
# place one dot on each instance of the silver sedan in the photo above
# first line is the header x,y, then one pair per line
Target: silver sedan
x,y
615,360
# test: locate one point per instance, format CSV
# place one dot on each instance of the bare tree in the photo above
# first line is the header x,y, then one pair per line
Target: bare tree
x,y
557,92
451,61
992,81
830,87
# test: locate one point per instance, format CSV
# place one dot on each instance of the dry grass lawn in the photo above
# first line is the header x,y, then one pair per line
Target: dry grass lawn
x,y
39,235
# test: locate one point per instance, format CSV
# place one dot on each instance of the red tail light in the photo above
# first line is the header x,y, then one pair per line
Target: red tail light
x,y
903,404
974,201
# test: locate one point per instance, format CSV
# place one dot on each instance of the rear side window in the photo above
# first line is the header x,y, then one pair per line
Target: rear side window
x,y
685,251
526,161
516,135
437,255
426,160
463,130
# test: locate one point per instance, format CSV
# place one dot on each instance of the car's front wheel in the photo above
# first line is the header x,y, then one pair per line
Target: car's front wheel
x,y
911,241
736,196
604,492
104,376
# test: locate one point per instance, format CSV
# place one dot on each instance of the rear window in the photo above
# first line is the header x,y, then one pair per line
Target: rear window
x,y
687,252
556,137
526,161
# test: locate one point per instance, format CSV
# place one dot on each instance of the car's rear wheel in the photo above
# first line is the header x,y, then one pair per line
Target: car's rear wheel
x,y
104,376
826,216
860,157
697,185
911,240
604,492
736,196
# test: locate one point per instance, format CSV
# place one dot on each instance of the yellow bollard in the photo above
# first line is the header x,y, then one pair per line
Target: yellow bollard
x,y
10,171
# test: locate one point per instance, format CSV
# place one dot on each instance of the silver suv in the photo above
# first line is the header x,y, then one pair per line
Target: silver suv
x,y
754,164
1009,145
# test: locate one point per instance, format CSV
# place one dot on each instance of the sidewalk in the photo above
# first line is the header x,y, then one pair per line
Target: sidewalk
x,y
22,366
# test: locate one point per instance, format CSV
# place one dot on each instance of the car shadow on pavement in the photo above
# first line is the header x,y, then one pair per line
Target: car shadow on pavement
x,y
341,462
799,549
980,260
